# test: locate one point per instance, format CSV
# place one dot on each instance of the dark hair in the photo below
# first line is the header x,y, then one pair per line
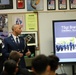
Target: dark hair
x,y
39,63
10,66
53,62
14,56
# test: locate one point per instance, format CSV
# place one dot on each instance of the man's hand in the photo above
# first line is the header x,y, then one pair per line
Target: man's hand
x,y
20,54
28,53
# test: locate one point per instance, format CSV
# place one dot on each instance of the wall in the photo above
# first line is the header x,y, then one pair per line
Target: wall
x,y
45,28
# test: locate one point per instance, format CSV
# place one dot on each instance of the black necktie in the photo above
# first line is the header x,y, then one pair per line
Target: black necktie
x,y
17,40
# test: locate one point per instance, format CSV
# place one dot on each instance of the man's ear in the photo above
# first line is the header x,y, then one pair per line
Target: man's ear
x,y
48,68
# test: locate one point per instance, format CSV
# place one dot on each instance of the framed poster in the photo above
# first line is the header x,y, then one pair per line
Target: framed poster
x,y
33,5
72,4
30,38
62,4
19,20
3,26
20,4
51,4
31,21
6,4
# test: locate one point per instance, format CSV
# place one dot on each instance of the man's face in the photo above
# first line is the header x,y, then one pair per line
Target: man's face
x,y
18,29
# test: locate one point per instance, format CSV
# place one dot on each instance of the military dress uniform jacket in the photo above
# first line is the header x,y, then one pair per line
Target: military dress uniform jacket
x,y
10,44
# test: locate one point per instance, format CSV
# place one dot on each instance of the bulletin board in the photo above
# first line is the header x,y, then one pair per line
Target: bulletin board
x,y
30,28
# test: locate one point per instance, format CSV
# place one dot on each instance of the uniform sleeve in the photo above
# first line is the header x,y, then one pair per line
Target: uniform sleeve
x,y
5,49
26,47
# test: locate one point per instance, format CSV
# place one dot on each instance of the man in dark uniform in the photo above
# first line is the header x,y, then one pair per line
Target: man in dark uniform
x,y
14,42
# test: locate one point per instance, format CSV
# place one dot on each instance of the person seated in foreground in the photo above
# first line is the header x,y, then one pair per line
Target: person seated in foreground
x,y
9,68
14,55
40,65
53,62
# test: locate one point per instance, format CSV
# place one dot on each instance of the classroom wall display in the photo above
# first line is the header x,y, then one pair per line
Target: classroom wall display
x,y
20,4
3,26
30,38
62,4
31,22
33,5
16,19
51,4
6,4
72,4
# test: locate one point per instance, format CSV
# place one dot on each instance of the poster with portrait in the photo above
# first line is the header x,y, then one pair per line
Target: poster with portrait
x,y
3,26
51,4
72,4
62,4
19,20
33,5
20,4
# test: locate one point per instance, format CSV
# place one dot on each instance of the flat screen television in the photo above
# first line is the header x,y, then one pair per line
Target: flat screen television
x,y
6,4
64,40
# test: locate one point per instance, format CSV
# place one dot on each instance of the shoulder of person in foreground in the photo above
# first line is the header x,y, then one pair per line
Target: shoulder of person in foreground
x,y
22,71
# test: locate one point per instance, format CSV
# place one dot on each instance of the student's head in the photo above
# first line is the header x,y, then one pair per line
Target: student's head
x,y
10,67
14,55
53,62
16,29
40,64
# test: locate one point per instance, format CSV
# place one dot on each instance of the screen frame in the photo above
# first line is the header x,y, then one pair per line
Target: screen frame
x,y
7,6
53,26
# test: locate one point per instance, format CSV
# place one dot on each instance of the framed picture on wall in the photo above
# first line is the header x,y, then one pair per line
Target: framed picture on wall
x,y
51,4
3,26
6,4
30,38
20,4
35,5
19,20
62,4
72,4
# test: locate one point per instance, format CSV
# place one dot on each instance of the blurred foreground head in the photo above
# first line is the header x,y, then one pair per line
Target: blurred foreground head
x,y
40,65
10,67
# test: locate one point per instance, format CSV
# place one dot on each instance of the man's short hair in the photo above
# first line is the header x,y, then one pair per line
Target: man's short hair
x,y
13,26
14,56
40,63
10,66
